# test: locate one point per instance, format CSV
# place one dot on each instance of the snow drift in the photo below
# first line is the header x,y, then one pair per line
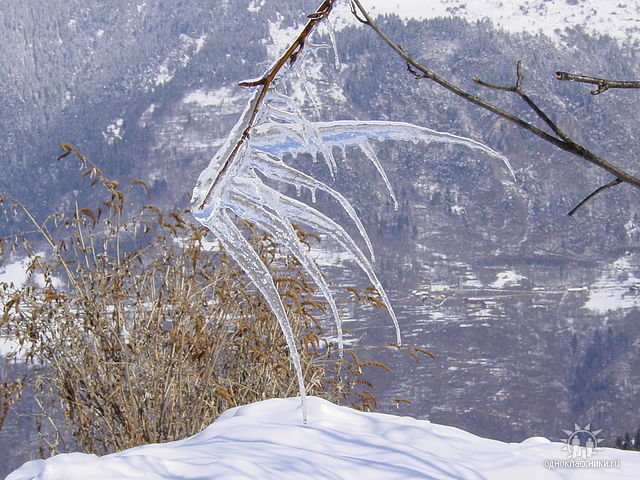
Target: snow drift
x,y
267,440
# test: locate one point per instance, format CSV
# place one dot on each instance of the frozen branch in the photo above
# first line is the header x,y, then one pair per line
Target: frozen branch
x,y
290,55
237,184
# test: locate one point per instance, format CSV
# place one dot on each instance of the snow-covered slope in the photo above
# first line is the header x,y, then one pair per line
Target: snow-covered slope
x,y
266,440
612,17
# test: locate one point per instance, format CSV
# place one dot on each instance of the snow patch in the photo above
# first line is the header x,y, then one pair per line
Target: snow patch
x,y
179,58
458,210
507,278
163,76
618,288
281,38
17,274
614,18
11,348
225,100
256,5
113,132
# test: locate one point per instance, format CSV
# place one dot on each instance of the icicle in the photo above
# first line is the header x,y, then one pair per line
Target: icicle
x,y
271,137
279,115
202,188
334,44
282,229
302,213
330,160
241,251
282,172
304,82
371,154
343,149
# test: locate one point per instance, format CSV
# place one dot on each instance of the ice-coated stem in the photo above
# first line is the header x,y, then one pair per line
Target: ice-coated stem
x,y
239,248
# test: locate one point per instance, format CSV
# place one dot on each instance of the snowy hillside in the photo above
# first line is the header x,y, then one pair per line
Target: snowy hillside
x,y
266,440
614,18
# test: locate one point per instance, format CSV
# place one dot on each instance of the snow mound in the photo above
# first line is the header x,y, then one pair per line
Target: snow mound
x,y
267,440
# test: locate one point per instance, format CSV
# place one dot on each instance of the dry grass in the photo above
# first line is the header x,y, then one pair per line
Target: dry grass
x,y
147,336
9,394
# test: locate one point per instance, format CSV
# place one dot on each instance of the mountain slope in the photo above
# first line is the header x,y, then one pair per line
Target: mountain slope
x,y
551,18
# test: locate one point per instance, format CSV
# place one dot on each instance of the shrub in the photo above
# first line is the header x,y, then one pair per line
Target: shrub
x,y
146,332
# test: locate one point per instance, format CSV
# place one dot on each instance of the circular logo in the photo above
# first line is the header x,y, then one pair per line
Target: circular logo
x,y
582,442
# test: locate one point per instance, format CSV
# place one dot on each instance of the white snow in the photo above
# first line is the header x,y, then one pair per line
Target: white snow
x,y
10,348
16,273
256,5
458,210
224,100
616,288
188,47
267,440
163,76
281,38
618,19
508,278
113,132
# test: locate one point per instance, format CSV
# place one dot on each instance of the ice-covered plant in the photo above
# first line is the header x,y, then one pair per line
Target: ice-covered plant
x,y
271,129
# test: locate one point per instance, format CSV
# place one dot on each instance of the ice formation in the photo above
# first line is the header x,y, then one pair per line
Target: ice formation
x,y
271,129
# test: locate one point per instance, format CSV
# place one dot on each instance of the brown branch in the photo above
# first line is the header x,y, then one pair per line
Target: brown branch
x,y
290,55
517,88
558,139
603,84
615,182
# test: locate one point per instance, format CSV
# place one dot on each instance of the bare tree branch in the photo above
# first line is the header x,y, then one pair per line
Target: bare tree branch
x,y
558,138
517,88
615,182
603,84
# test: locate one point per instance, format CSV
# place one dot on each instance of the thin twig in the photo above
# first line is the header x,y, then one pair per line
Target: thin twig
x,y
290,55
603,84
560,140
517,88
615,182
